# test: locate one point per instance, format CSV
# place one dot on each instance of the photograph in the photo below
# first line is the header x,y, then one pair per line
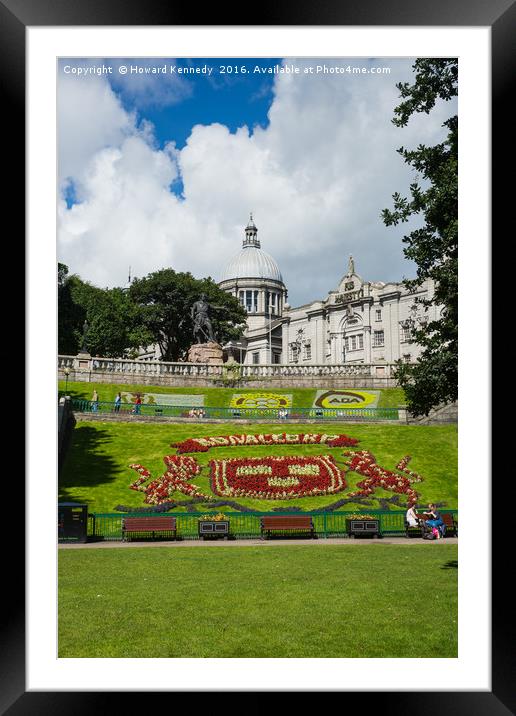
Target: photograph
x,y
258,268
257,384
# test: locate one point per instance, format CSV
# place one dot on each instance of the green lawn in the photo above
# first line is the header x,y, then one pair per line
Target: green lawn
x,y
214,397
339,601
96,467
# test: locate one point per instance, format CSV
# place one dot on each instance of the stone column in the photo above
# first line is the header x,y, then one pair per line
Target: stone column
x,y
367,344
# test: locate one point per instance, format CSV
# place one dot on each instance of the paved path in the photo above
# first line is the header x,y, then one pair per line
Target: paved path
x,y
259,543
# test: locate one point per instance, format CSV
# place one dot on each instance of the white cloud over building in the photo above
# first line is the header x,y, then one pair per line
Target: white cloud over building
x,y
316,179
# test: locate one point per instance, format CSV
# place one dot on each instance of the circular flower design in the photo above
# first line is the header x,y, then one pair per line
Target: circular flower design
x,y
276,477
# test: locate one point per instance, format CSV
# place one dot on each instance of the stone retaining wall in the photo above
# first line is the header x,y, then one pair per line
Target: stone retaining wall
x,y
442,415
266,383
65,422
114,418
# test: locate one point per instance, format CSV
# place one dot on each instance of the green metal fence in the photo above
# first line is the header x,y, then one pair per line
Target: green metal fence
x,y
177,411
246,525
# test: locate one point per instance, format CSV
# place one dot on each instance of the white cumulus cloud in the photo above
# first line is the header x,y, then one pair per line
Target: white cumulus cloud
x,y
316,179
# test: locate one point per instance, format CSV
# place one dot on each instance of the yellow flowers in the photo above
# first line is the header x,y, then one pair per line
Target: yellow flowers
x,y
214,518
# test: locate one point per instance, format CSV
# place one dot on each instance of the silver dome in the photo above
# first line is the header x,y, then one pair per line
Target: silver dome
x,y
252,262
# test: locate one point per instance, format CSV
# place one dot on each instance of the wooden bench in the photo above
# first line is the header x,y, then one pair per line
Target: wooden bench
x,y
144,525
289,524
451,527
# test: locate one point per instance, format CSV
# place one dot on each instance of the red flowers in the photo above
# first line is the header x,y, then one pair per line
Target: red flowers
x,y
205,444
179,470
276,477
364,463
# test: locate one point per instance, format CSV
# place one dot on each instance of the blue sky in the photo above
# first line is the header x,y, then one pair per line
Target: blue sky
x,y
161,169
233,100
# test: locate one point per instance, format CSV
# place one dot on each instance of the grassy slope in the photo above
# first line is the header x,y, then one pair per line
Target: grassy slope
x,y
364,601
214,397
96,468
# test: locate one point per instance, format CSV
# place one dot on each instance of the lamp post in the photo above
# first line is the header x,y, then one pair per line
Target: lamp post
x,y
67,373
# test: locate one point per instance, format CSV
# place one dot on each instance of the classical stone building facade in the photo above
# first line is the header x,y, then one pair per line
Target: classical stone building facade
x,y
359,322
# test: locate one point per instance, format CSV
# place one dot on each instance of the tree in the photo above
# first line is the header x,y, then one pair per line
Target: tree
x,y
166,298
434,248
70,315
116,326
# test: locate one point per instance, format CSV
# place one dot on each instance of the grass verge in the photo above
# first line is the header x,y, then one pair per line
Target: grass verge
x,y
342,601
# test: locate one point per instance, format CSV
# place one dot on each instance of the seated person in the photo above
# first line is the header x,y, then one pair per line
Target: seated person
x,y
435,520
411,517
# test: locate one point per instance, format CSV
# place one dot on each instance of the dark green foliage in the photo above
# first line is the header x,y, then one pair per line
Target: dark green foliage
x,y
434,246
115,323
156,309
70,314
166,298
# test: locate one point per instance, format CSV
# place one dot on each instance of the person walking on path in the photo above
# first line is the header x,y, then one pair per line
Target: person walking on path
x,y
138,404
118,401
95,401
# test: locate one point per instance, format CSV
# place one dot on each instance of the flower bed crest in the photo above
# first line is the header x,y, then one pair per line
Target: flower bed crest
x,y
365,464
278,478
179,469
205,444
273,478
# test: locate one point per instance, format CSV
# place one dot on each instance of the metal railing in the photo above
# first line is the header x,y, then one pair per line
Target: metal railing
x,y
282,414
246,525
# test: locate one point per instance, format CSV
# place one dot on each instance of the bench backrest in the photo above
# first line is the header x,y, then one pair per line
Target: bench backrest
x,y
286,522
149,523
447,518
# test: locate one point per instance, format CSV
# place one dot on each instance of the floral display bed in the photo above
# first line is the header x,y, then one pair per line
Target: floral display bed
x,y
276,477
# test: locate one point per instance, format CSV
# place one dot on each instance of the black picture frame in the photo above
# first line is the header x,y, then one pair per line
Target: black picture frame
x,y
500,16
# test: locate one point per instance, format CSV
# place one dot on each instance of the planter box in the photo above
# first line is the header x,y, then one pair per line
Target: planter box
x,y
213,528
363,527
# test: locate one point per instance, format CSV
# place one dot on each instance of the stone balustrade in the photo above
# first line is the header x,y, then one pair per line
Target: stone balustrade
x,y
163,369
137,367
265,371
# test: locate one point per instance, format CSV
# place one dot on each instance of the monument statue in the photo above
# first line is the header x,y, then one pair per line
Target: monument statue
x,y
201,321
206,349
84,340
351,266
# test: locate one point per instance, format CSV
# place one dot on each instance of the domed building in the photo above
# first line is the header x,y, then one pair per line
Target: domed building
x,y
254,277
